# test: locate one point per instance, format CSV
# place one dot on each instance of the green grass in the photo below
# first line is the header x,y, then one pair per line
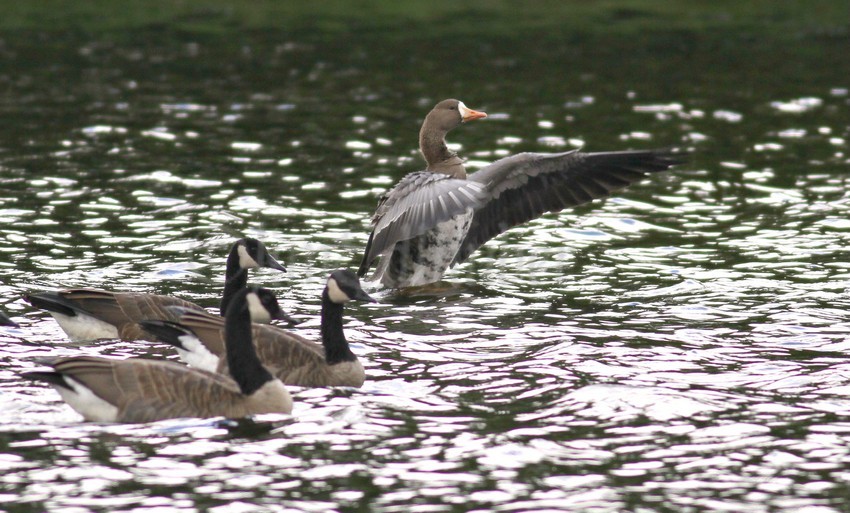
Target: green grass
x,y
776,18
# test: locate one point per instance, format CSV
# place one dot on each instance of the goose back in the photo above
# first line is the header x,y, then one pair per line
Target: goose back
x,y
139,390
291,358
90,314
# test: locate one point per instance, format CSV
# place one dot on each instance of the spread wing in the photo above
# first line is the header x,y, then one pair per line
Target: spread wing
x,y
525,186
419,202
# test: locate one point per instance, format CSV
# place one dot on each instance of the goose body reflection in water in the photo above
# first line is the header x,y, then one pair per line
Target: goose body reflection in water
x,y
5,320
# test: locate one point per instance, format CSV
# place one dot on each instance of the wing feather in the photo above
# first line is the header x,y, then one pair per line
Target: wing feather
x,y
416,204
525,186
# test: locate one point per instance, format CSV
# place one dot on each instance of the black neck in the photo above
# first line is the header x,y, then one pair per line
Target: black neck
x,y
235,279
333,339
242,360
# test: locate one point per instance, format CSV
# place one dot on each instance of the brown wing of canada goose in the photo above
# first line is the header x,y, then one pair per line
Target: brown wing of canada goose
x,y
139,390
122,310
291,358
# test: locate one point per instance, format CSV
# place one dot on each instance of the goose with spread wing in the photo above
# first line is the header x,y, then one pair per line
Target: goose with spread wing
x,y
436,218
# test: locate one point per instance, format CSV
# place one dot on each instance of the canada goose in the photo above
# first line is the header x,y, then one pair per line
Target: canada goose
x,y
140,390
5,320
291,358
89,314
436,218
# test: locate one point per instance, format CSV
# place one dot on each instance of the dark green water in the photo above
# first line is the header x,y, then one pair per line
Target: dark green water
x,y
681,347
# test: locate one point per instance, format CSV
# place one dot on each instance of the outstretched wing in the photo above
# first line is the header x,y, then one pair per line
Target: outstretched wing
x,y
525,186
419,202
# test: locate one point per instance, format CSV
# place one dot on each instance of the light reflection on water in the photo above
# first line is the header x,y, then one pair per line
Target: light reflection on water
x,y
681,346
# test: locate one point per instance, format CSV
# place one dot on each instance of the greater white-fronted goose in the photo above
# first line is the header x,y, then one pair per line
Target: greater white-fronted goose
x,y
139,390
436,218
90,314
291,358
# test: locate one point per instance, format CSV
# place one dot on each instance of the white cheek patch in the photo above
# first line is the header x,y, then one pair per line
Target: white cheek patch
x,y
336,294
87,403
259,313
196,354
256,309
246,261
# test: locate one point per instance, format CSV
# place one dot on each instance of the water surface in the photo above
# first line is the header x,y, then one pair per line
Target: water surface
x,y
681,347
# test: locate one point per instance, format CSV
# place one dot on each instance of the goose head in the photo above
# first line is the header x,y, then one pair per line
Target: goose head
x,y
251,253
447,115
263,307
344,286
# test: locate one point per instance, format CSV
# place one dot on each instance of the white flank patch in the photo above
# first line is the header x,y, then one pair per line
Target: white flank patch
x,y
83,327
336,294
246,261
196,354
86,403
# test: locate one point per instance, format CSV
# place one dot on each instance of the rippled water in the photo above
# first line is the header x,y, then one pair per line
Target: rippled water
x,y
681,347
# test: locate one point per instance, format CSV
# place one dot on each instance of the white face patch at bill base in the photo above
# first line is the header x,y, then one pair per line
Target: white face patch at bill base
x,y
336,294
246,261
467,114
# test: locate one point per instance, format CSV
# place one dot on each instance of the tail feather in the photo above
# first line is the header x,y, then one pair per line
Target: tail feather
x,y
167,332
52,302
50,377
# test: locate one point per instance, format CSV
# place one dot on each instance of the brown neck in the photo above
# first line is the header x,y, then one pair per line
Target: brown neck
x,y
440,159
